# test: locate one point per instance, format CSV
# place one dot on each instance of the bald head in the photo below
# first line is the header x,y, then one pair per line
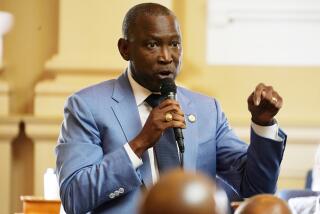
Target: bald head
x,y
184,192
144,9
263,204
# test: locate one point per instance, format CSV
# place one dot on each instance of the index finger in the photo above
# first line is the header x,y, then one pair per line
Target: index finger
x,y
168,102
258,93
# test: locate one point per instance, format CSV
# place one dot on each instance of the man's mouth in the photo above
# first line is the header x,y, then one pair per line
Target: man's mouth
x,y
165,74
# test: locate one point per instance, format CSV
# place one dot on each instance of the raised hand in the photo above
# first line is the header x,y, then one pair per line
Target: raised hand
x,y
264,103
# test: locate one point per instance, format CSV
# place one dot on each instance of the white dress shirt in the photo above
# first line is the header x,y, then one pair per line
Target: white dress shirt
x,y
141,93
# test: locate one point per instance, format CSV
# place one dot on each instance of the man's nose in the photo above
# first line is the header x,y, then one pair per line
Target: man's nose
x,y
165,56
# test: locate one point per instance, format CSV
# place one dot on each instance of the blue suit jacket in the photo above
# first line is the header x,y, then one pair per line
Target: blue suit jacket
x,y
97,176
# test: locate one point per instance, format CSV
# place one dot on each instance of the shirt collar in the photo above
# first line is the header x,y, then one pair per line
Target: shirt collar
x,y
140,93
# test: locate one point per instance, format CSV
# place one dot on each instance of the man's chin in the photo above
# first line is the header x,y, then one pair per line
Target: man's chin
x,y
155,88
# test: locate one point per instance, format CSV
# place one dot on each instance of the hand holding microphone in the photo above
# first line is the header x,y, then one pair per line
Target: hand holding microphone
x,y
166,115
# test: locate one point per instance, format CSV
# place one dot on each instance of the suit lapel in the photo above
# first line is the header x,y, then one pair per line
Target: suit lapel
x,y
125,108
127,114
190,133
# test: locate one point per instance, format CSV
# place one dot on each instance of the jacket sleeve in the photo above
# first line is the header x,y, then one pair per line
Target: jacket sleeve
x,y
87,176
249,169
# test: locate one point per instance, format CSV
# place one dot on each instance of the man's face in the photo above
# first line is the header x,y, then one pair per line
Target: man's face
x,y
154,50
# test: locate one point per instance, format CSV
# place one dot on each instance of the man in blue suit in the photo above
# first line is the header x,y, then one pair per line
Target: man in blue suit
x,y
105,155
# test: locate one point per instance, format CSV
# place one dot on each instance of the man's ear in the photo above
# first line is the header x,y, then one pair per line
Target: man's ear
x,y
123,47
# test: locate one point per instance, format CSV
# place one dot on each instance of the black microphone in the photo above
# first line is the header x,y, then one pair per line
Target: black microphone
x,y
169,90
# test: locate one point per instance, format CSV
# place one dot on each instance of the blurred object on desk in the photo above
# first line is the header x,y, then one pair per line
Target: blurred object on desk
x,y
51,187
39,205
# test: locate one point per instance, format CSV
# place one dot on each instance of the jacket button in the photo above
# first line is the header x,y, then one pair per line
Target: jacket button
x,y
111,195
121,190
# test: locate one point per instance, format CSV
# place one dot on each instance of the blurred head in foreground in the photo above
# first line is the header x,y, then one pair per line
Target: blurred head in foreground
x,y
184,192
263,204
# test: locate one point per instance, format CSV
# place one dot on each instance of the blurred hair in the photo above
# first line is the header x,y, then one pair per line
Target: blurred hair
x,y
185,192
263,204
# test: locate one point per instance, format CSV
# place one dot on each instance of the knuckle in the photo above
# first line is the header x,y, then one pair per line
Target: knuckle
x,y
266,88
260,86
176,109
280,99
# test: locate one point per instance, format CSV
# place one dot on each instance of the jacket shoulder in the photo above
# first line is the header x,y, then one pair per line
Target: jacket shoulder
x,y
100,89
192,95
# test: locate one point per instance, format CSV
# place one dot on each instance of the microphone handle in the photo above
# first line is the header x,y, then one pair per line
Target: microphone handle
x,y
177,131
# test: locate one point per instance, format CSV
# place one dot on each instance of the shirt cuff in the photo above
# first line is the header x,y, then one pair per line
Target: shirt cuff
x,y
135,160
270,132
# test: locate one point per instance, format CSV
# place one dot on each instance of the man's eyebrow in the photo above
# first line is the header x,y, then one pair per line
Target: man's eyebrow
x,y
159,37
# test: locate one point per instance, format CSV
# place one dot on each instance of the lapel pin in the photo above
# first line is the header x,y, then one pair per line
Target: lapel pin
x,y
191,118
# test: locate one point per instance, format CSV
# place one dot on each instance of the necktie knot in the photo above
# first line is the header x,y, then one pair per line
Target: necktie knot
x,y
154,99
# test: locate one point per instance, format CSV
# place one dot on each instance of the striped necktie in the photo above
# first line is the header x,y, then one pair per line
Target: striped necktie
x,y
165,149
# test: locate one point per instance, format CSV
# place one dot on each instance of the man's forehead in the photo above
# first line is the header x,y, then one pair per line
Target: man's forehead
x,y
155,26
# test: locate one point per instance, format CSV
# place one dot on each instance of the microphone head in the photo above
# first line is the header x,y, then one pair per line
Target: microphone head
x,y
168,86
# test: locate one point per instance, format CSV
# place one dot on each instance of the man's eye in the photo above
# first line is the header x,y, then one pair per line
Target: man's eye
x,y
175,44
152,45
